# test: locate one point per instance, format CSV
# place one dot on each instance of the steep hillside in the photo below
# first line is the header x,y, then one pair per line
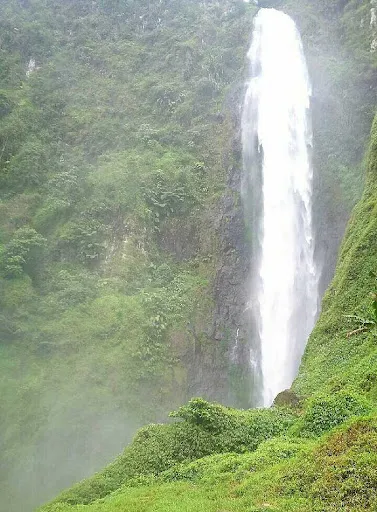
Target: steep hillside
x,y
313,451
118,227
342,349
323,456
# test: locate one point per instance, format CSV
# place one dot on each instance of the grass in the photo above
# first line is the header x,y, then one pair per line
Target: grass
x,y
338,469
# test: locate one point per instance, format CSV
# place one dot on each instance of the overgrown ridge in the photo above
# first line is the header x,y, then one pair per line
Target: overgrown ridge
x,y
123,259
314,450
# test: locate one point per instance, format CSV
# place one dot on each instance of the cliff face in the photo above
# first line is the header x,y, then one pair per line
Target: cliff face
x,y
123,260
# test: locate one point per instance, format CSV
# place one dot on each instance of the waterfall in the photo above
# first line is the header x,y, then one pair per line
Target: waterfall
x,y
276,137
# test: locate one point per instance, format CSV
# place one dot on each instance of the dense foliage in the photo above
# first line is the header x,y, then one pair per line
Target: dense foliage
x,y
157,448
284,473
115,140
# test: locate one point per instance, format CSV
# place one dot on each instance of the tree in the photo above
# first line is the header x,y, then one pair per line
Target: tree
x,y
20,250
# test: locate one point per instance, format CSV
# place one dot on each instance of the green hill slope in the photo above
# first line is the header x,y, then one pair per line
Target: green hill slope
x,y
313,454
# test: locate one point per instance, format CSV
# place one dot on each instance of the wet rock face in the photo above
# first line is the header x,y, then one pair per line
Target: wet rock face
x,y
224,361
230,288
231,323
179,239
218,359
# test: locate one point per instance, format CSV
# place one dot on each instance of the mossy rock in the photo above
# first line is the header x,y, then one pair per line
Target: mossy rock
x,y
287,398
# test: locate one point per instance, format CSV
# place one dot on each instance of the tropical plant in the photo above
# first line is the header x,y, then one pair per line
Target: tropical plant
x,y
367,323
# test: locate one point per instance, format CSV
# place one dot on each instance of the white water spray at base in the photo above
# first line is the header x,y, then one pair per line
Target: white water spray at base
x,y
276,135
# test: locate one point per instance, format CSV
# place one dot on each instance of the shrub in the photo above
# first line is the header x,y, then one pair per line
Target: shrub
x,y
206,429
324,412
20,250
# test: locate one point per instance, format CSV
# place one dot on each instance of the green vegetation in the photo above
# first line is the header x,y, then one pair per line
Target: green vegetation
x,y
207,429
284,473
332,360
323,458
367,323
115,141
115,151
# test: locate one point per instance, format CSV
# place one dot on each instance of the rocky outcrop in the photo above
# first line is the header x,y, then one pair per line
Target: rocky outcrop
x,y
230,324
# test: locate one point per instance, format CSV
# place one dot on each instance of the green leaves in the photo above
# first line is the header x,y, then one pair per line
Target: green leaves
x,y
83,240
28,168
200,412
366,323
20,250
324,412
170,194
207,428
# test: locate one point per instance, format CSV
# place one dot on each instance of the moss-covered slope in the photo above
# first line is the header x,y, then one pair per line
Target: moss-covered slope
x,y
317,454
334,357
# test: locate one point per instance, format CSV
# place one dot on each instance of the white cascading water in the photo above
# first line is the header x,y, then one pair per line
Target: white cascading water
x,y
276,135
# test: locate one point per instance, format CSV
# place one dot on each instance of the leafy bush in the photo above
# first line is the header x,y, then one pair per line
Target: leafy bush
x,y
82,240
167,195
157,448
28,167
20,251
213,467
212,417
324,412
